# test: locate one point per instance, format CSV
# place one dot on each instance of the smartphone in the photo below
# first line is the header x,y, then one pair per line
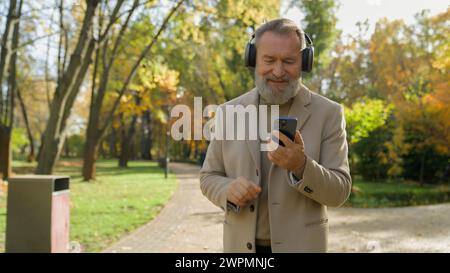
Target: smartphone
x,y
287,126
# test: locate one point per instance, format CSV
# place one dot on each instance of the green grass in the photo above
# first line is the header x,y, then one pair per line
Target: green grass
x,y
396,194
118,202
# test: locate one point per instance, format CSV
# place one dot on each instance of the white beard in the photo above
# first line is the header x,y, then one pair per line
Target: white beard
x,y
273,96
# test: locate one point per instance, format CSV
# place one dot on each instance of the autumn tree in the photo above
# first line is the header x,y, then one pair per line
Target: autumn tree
x,y
154,89
407,67
106,57
416,80
68,86
362,120
207,46
319,22
8,67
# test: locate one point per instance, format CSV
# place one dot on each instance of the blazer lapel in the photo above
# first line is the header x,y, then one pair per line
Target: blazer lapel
x,y
253,145
298,108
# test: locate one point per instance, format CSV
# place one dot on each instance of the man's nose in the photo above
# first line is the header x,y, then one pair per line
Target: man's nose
x,y
278,70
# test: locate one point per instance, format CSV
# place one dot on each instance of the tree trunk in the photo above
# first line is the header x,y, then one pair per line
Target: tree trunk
x,y
54,135
5,153
112,143
196,150
51,139
66,91
61,145
133,149
127,142
186,149
422,168
66,149
5,44
102,150
146,140
31,157
124,154
93,134
90,158
105,78
91,145
127,138
136,65
150,142
40,146
123,157
8,59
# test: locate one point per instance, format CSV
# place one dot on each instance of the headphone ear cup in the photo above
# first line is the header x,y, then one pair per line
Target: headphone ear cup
x,y
250,55
307,59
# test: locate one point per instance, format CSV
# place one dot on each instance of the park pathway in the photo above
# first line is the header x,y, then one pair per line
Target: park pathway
x,y
190,223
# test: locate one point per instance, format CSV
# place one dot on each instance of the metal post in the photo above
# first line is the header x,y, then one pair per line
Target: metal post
x,y
166,169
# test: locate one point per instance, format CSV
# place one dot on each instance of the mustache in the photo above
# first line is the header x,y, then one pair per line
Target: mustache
x,y
284,78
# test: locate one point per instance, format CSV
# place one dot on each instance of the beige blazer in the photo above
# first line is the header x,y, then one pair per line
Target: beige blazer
x,y
297,214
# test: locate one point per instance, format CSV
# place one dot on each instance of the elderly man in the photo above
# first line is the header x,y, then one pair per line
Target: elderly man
x,y
276,201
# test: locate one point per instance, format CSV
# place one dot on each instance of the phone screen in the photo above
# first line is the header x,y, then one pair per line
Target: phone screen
x,y
287,126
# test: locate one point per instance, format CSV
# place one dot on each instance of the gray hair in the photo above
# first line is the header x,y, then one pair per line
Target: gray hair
x,y
280,26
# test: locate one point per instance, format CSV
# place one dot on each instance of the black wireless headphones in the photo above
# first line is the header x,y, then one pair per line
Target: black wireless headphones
x,y
307,54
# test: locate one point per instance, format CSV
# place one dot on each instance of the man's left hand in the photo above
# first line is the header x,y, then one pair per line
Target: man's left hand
x,y
290,157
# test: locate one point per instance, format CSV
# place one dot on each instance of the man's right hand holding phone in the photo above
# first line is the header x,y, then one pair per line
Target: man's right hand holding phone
x,y
291,156
242,191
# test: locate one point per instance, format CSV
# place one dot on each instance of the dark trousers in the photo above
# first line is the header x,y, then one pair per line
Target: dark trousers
x,y
263,249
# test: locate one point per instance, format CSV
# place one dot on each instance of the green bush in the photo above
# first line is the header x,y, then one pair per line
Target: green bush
x,y
74,146
434,166
369,164
19,142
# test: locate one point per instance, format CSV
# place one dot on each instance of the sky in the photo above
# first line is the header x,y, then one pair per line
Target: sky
x,y
352,11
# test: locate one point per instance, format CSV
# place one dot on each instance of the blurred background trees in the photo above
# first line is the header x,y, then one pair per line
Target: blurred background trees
x,y
95,79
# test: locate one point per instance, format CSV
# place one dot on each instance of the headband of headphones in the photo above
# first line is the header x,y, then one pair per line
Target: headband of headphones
x,y
307,54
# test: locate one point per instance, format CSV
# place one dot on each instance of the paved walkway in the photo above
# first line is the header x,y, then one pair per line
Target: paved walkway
x,y
190,223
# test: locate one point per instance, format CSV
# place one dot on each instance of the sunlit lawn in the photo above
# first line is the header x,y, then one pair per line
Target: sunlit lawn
x,y
119,201
395,193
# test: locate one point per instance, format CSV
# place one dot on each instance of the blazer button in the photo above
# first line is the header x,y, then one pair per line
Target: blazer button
x,y
249,246
252,208
308,190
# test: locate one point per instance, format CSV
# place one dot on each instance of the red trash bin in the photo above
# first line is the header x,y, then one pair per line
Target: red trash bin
x,y
38,214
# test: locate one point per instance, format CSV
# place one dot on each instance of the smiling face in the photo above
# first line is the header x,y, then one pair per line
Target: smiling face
x,y
278,65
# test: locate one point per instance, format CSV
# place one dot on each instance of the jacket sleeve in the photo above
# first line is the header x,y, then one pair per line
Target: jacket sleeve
x,y
328,181
213,180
